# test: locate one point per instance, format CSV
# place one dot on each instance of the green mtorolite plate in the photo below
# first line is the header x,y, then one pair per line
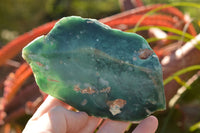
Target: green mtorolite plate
x,y
102,71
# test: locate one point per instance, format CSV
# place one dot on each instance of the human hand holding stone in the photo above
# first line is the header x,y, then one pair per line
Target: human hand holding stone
x,y
53,117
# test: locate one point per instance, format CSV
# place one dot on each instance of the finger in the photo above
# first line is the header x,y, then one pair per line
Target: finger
x,y
49,103
73,121
110,126
91,125
148,125
41,125
58,120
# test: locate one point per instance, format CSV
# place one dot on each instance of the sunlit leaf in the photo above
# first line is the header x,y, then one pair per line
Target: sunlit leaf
x,y
195,127
173,30
153,39
180,72
181,82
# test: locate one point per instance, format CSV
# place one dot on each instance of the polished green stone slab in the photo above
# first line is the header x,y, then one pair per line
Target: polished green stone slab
x,y
102,71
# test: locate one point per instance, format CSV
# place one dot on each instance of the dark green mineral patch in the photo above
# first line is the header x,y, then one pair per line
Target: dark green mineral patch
x,y
102,71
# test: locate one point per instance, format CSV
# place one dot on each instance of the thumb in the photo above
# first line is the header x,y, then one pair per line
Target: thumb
x,y
148,125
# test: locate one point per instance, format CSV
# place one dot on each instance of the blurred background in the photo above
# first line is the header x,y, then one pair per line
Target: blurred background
x,y
20,16
168,30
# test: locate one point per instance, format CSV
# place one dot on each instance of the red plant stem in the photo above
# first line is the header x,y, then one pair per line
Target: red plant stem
x,y
16,108
7,128
21,69
17,83
29,93
158,20
142,10
192,30
14,47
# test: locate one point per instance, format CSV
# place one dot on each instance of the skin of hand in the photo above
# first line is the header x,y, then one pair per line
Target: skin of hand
x,y
53,116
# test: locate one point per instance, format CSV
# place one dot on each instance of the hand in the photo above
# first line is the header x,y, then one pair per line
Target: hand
x,y
53,117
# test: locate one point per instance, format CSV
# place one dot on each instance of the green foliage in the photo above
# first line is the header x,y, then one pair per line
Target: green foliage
x,y
178,32
180,72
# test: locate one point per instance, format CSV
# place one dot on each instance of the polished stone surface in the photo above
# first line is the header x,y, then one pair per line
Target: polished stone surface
x,y
102,71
